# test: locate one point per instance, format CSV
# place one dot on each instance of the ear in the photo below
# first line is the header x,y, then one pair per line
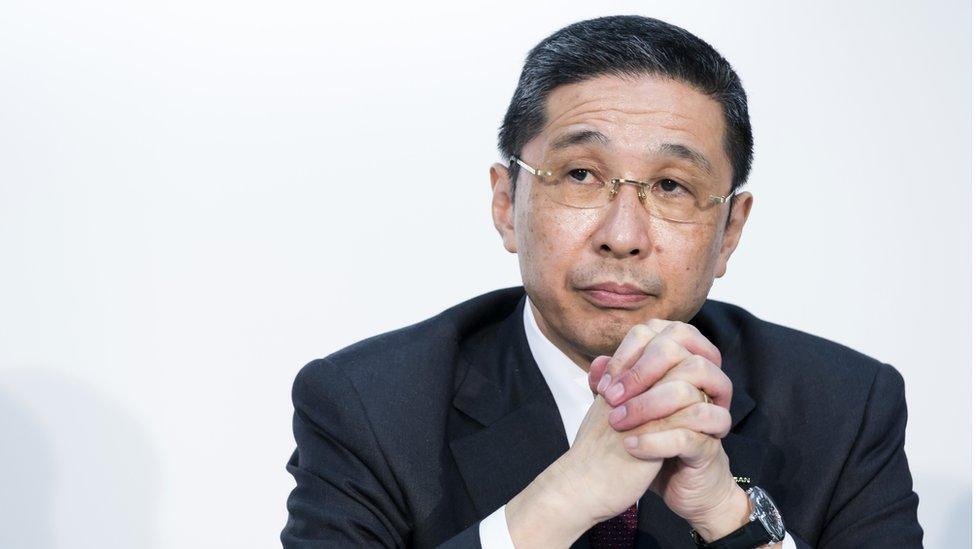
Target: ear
x,y
741,206
503,205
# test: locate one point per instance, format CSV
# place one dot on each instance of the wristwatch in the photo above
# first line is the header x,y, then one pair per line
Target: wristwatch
x,y
765,526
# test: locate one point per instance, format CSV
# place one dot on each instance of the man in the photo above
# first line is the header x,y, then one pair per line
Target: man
x,y
608,403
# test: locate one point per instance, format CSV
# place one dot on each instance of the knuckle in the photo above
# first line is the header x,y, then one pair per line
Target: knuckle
x,y
635,375
636,407
675,349
658,324
642,332
726,384
665,348
689,393
700,365
724,420
681,331
708,414
669,327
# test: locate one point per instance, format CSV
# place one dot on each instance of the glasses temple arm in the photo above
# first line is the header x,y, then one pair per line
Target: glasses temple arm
x,y
530,169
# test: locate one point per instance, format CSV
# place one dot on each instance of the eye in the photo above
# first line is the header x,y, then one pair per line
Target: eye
x,y
579,174
671,187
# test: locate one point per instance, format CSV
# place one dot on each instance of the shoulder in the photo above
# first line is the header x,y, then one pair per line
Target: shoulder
x,y
809,391
406,361
803,381
770,350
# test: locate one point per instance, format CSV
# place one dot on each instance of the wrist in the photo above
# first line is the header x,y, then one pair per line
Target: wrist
x,y
545,513
729,514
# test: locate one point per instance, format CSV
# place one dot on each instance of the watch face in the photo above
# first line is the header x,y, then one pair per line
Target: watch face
x,y
766,512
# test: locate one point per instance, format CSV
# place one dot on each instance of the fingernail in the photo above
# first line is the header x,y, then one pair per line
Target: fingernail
x,y
630,442
618,413
615,392
604,381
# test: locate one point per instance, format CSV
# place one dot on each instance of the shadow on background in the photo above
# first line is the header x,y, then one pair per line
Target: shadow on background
x,y
76,469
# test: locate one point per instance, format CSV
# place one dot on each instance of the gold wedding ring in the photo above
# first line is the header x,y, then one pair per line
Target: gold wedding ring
x,y
706,399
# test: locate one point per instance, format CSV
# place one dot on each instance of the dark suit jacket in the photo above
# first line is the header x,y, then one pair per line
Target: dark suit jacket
x,y
410,438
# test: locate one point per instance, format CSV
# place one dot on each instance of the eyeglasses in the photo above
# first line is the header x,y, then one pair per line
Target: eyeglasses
x,y
581,184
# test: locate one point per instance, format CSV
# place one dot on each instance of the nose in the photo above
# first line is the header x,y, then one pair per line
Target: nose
x,y
625,228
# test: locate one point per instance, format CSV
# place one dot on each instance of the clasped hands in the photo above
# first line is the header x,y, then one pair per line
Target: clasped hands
x,y
650,427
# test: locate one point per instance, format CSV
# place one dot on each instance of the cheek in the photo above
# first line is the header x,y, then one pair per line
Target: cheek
x,y
687,248
549,241
686,260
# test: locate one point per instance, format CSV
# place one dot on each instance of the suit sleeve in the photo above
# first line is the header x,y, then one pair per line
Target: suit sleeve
x,y
873,504
345,494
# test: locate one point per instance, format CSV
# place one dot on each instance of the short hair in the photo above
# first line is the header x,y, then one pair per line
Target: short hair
x,y
626,45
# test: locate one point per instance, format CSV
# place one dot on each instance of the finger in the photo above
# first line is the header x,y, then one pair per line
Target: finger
x,y
658,402
700,417
662,354
630,349
695,449
700,372
633,344
598,370
690,338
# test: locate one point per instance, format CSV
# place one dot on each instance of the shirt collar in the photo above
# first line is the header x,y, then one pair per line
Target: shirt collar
x,y
568,382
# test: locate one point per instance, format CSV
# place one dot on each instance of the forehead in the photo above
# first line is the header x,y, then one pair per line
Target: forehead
x,y
638,114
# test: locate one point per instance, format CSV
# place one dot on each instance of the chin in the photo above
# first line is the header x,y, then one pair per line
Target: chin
x,y
600,344
617,320
599,334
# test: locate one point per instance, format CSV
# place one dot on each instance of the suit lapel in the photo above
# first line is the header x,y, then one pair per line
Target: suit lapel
x,y
748,454
520,432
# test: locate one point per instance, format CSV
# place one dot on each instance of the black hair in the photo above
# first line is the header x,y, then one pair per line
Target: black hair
x,y
626,45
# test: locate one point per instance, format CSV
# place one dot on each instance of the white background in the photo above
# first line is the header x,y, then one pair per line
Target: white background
x,y
199,197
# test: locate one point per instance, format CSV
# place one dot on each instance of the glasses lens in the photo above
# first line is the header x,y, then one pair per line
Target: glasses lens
x,y
672,200
576,183
582,183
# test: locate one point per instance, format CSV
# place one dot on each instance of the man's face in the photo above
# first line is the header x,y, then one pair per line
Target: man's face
x,y
564,251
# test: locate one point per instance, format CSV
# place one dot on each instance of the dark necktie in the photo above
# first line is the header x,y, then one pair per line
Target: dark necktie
x,y
618,532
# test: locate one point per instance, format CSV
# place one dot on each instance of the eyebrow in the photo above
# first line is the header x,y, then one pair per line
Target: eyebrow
x,y
580,137
685,153
583,137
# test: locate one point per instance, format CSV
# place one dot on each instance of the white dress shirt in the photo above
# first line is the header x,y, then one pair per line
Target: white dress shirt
x,y
570,388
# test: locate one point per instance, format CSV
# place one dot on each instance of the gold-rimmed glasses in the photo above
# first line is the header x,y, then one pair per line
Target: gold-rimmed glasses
x,y
581,184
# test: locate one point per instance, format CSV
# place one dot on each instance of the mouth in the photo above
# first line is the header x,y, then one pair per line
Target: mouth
x,y
610,295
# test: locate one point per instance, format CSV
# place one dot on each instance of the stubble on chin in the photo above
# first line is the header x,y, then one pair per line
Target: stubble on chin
x,y
593,335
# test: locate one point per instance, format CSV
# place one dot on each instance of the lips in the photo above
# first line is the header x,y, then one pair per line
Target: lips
x,y
616,296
